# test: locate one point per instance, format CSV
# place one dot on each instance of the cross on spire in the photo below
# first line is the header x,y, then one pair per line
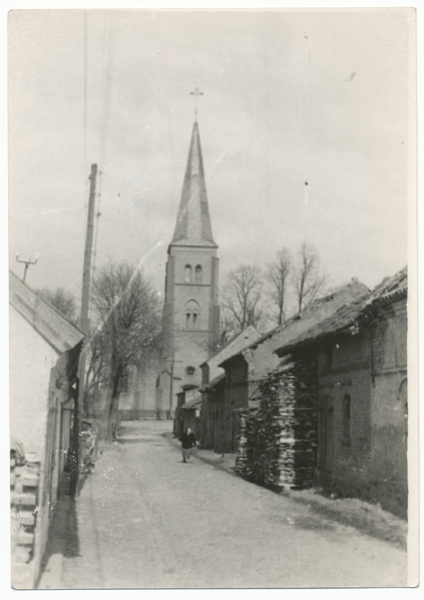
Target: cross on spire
x,y
196,95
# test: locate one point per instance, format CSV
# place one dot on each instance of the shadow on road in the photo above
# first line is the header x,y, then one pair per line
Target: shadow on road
x,y
63,531
81,480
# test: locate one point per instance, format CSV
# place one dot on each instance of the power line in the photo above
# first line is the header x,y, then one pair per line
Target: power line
x,y
85,86
102,132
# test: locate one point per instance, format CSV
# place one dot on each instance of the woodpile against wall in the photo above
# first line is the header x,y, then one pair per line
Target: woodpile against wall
x,y
277,445
24,480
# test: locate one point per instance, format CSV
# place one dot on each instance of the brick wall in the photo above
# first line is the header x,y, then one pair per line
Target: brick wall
x,y
389,476
363,397
344,386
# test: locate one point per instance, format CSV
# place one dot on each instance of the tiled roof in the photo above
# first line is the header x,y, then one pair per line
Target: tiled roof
x,y
344,317
240,340
347,315
311,316
238,343
60,333
390,287
354,289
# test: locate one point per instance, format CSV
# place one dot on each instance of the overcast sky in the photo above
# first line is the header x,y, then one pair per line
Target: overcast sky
x,y
288,97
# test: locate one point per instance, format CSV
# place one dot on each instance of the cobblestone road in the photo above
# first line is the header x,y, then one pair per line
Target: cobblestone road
x,y
144,519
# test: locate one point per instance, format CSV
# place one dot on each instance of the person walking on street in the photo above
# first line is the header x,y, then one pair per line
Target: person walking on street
x,y
188,442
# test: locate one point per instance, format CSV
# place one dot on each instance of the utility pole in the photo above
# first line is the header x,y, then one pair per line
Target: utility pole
x,y
26,263
84,321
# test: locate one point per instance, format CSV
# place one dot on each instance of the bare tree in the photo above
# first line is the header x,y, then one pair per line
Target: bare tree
x,y
61,300
128,325
307,278
278,278
241,299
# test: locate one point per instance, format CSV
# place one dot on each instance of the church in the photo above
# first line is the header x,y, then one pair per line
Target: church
x,y
191,310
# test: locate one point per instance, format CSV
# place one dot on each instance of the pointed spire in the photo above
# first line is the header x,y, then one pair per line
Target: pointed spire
x,y
193,227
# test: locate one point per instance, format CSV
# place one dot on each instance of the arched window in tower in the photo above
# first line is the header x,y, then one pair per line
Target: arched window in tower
x,y
198,274
192,315
187,274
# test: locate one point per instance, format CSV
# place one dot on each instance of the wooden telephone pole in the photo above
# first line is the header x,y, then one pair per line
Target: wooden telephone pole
x,y
84,320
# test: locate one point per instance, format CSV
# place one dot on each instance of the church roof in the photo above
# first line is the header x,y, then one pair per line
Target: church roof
x,y
193,227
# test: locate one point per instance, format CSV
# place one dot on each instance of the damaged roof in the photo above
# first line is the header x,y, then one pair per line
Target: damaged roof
x,y
347,315
310,316
391,287
50,324
354,289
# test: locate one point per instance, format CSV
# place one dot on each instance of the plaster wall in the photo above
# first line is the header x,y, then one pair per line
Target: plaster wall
x,y
31,360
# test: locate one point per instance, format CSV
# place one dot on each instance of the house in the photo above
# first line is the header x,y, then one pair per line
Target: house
x,y
213,432
187,412
334,412
244,370
44,356
360,356
194,403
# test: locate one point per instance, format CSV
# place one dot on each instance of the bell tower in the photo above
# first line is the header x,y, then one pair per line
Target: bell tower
x,y
191,311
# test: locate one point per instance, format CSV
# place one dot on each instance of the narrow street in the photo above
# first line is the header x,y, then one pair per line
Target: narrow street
x,y
144,519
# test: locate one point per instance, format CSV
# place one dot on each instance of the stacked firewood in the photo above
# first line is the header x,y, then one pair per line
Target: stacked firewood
x,y
241,457
278,441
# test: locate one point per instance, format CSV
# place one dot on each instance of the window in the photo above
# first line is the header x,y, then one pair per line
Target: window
x,y
198,274
346,420
190,371
192,315
187,274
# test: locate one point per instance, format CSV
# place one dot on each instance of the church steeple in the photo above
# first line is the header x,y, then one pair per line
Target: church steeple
x,y
191,308
193,227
